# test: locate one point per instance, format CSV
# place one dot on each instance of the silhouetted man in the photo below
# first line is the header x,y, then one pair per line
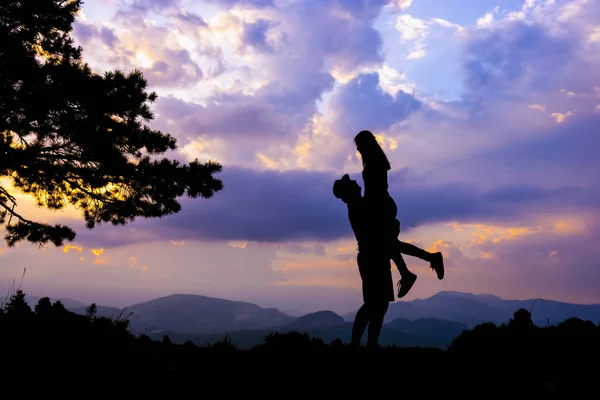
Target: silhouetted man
x,y
373,261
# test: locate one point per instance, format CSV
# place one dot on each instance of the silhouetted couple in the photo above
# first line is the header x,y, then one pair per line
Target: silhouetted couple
x,y
376,227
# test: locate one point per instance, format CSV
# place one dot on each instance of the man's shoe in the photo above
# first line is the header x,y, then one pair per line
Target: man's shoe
x,y
405,284
437,264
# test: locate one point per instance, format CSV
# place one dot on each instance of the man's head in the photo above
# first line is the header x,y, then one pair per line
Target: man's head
x,y
346,189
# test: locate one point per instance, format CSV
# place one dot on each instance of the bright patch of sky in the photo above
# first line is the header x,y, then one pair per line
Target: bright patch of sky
x,y
423,40
459,11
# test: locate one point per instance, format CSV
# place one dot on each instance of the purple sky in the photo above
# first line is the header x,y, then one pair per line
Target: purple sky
x,y
489,112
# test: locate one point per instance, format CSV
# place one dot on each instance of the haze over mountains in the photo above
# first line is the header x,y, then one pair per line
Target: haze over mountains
x,y
433,321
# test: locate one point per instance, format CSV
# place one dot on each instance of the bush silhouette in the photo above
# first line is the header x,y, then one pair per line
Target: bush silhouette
x,y
224,345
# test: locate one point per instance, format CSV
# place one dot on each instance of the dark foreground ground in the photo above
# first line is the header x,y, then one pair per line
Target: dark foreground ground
x,y
52,352
294,370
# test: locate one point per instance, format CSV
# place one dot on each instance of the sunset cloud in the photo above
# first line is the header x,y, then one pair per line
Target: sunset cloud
x,y
561,117
538,107
69,247
97,252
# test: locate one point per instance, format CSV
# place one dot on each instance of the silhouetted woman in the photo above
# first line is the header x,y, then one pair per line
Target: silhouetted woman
x,y
384,210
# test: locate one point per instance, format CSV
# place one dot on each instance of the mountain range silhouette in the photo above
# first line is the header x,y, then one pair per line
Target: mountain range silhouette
x,y
429,322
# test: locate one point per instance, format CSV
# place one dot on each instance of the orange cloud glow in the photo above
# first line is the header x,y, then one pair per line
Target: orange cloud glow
x,y
538,107
350,249
495,234
68,247
570,226
561,117
487,234
456,226
97,252
453,253
267,162
239,245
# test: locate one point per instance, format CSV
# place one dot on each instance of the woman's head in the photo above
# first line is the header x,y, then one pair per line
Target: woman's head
x,y
370,151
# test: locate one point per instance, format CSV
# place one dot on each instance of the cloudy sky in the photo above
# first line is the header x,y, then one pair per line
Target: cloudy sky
x,y
488,110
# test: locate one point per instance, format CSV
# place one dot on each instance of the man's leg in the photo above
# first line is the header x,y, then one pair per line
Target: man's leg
x,y
377,312
360,324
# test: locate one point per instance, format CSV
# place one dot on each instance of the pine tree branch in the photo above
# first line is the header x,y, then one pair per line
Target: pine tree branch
x,y
11,210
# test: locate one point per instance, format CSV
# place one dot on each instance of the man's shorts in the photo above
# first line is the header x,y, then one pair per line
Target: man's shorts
x,y
376,274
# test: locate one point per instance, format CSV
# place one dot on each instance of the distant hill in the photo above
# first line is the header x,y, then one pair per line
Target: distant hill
x,y
319,319
191,314
433,321
185,313
472,309
330,326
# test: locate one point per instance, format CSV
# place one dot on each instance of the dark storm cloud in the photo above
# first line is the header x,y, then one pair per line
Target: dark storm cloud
x,y
280,207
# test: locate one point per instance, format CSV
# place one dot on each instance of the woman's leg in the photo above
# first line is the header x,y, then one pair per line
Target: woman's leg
x,y
436,260
412,250
397,258
395,250
407,278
